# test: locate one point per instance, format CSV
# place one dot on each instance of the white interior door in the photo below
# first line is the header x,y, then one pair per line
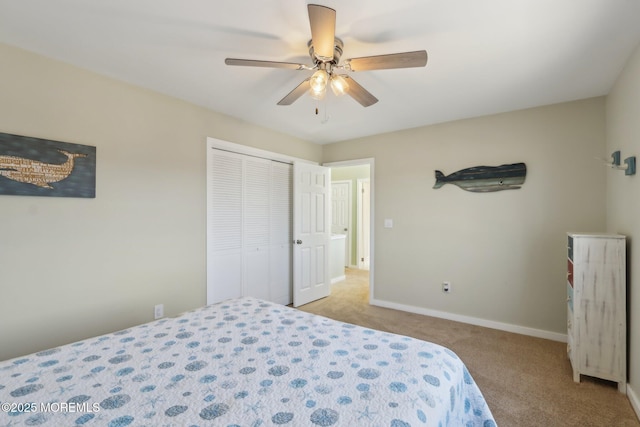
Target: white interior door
x,y
341,214
311,232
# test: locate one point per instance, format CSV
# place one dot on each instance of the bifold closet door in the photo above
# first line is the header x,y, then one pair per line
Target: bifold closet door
x,y
249,228
224,225
256,192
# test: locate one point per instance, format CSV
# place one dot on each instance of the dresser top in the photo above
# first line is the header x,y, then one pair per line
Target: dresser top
x,y
597,235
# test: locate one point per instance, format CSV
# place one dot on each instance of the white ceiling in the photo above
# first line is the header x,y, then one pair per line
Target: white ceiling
x,y
485,57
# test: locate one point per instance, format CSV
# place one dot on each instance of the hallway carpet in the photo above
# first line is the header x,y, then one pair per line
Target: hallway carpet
x,y
527,381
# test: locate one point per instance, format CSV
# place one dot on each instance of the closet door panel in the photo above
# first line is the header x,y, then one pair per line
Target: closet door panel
x,y
257,193
280,275
256,214
224,226
256,270
280,249
225,277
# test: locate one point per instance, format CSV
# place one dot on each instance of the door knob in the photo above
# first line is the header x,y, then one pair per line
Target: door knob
x,y
297,242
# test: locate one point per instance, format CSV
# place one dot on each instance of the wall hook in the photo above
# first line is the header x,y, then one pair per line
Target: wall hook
x,y
615,158
629,167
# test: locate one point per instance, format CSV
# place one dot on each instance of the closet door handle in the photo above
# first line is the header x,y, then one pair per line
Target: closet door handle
x,y
297,242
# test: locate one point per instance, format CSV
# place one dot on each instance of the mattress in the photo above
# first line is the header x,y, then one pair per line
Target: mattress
x,y
243,362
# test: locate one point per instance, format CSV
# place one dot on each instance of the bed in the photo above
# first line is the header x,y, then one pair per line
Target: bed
x,y
243,362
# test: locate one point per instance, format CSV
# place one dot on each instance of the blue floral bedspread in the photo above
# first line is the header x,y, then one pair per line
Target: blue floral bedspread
x,y
243,362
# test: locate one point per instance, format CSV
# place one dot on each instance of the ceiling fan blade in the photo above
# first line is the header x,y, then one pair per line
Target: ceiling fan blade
x,y
385,62
323,30
296,93
266,64
359,93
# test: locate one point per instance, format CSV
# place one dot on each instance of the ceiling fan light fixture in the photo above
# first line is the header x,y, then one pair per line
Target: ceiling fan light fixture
x,y
318,94
319,81
339,85
325,50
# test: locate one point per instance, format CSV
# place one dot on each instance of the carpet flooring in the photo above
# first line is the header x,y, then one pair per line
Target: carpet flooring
x,y
526,381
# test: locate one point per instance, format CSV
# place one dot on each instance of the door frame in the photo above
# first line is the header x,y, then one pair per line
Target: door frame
x,y
359,222
371,162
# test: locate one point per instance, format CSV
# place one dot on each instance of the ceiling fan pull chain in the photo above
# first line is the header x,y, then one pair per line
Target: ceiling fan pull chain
x,y
326,113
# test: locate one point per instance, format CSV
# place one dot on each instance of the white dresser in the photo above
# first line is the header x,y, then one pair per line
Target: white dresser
x,y
596,306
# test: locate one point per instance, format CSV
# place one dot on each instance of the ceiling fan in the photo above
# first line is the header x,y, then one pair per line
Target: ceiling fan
x,y
325,50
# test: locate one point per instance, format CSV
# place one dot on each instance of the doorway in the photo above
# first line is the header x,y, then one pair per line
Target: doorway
x,y
360,173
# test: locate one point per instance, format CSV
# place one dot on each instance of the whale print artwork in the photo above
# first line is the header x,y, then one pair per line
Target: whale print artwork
x,y
39,167
35,172
484,179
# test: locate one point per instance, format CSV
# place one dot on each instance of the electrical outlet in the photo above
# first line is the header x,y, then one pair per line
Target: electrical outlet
x,y
158,311
446,287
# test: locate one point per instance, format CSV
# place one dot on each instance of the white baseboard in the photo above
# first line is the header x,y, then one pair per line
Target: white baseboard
x,y
338,279
538,333
633,398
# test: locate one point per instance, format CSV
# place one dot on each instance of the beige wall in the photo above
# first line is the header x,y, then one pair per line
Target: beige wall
x,y
73,268
623,202
504,252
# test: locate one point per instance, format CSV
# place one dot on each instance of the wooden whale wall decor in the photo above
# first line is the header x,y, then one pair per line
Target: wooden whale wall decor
x,y
484,179
40,167
40,174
